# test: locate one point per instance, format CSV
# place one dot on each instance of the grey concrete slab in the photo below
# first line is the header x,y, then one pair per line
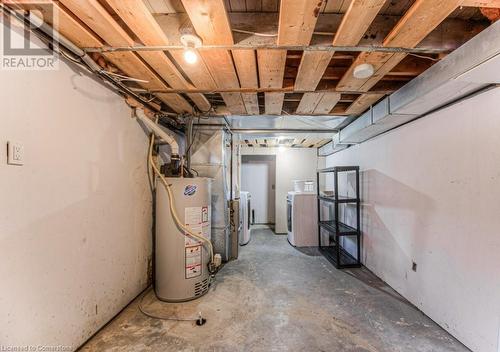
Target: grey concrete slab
x,y
278,298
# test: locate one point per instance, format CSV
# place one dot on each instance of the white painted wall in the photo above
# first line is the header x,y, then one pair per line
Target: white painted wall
x,y
431,194
75,220
291,164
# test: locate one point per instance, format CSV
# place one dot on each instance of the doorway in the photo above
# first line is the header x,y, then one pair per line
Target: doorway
x,y
258,176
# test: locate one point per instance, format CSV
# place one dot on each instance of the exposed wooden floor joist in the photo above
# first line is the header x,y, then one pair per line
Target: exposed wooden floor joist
x,y
355,22
209,18
297,21
138,18
95,16
418,22
289,79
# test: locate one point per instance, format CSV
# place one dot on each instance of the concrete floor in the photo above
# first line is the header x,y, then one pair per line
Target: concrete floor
x,y
277,298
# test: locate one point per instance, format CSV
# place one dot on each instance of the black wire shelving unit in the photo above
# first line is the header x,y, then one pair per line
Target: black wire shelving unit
x,y
335,249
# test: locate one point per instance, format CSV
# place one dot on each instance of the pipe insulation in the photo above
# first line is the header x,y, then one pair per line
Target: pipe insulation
x,y
158,131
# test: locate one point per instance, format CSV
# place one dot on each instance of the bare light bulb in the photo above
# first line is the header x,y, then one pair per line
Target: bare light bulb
x,y
190,56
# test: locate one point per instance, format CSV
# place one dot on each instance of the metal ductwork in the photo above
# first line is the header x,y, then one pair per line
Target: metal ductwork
x,y
211,157
472,67
332,147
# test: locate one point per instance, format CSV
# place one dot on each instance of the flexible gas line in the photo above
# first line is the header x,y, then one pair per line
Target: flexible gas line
x,y
176,217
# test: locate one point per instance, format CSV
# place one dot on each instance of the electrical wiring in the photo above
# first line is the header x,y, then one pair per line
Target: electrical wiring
x,y
273,35
424,57
192,139
150,155
199,320
254,33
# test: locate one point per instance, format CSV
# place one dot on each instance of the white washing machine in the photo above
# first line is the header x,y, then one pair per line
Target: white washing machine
x,y
302,219
245,213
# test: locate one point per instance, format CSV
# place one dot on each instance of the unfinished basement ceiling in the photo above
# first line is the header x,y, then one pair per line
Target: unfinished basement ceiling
x,y
243,72
263,141
275,131
298,123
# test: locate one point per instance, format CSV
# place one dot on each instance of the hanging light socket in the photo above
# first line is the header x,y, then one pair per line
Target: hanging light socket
x,y
190,41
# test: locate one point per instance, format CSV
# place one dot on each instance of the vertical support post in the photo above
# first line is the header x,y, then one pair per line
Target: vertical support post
x,y
318,210
336,206
358,216
231,195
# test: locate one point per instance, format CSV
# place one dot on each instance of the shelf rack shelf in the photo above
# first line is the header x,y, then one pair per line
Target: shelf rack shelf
x,y
335,250
339,228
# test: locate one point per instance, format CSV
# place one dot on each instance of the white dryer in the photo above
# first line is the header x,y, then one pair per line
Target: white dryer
x,y
245,213
302,219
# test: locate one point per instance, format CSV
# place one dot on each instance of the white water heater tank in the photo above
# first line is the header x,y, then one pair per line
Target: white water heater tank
x,y
181,261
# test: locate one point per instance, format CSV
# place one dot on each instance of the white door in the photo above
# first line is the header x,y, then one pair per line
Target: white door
x,y
258,176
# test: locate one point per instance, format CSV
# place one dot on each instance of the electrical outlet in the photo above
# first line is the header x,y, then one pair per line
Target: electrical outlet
x,y
15,153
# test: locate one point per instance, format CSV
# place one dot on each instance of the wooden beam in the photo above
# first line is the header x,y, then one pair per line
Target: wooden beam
x,y
246,66
326,104
95,16
311,69
79,34
355,22
271,72
449,35
209,18
357,19
410,67
308,103
361,104
482,3
297,20
386,87
139,19
414,26
419,21
317,103
66,24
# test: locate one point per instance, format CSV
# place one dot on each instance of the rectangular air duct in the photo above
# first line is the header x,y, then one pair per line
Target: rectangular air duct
x,y
376,120
470,68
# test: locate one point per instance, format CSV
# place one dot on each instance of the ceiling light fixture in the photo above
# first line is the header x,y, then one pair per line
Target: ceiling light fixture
x,y
363,71
190,41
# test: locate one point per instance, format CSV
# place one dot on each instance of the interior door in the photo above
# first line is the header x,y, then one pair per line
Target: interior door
x,y
258,176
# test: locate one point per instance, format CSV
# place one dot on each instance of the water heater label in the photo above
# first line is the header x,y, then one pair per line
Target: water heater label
x,y
193,261
204,214
198,220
